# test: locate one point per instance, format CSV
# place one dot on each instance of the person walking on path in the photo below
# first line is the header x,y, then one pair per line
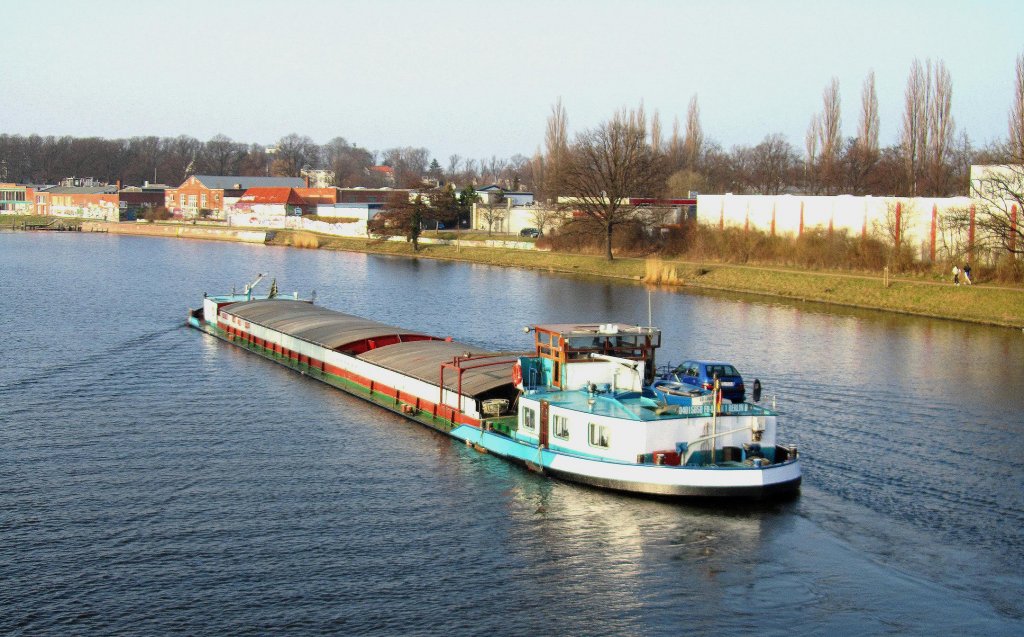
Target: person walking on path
x,y
956,275
967,274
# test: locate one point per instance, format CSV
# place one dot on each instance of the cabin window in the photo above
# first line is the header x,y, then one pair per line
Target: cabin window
x,y
560,427
529,419
600,436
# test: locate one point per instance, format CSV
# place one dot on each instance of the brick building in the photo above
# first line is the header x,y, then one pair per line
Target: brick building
x,y
216,193
87,202
16,200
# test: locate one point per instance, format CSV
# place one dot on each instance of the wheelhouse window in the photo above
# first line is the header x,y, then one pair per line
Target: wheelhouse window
x,y
600,436
560,427
529,419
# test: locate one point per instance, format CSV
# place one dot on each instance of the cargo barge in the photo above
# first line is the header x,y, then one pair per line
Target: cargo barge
x,y
577,406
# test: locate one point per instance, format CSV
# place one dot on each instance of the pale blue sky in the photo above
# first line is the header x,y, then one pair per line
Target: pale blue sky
x,y
479,78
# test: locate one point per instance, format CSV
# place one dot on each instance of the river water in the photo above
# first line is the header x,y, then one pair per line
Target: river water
x,y
154,480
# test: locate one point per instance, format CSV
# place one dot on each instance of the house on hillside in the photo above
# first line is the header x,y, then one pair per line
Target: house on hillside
x,y
385,174
318,178
216,193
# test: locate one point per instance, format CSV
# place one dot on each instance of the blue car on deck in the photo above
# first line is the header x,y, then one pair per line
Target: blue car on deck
x,y
702,374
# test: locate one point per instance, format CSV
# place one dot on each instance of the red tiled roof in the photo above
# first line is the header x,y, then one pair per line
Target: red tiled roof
x,y
382,169
272,195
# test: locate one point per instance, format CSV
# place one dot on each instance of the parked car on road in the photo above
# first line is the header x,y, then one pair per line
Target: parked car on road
x,y
702,374
529,232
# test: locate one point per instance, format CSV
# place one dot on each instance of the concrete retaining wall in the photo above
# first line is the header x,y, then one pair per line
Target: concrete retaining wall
x,y
179,231
923,219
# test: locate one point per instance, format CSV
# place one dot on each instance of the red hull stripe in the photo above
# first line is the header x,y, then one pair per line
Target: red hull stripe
x,y
422,404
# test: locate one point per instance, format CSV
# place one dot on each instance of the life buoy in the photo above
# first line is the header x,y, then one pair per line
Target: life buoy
x,y
517,374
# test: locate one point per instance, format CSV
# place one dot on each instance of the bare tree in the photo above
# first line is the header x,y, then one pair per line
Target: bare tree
x,y
535,171
410,165
493,211
999,218
771,165
348,162
656,135
861,156
544,217
914,131
811,141
178,158
609,165
221,156
693,142
940,131
255,162
556,151
867,131
675,147
515,168
830,135
469,171
294,152
493,169
683,182
454,161
892,230
719,169
1017,114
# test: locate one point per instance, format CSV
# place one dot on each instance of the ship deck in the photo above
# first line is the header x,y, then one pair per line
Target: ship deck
x,y
639,406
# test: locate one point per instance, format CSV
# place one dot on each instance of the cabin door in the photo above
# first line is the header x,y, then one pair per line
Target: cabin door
x,y
544,424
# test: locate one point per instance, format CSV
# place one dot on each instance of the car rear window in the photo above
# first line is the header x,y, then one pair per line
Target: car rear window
x,y
722,370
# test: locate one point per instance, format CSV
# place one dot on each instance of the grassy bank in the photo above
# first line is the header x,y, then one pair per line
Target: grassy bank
x,y
985,304
18,221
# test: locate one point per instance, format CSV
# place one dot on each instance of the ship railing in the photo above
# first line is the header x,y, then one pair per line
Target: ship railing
x,y
725,409
462,364
712,438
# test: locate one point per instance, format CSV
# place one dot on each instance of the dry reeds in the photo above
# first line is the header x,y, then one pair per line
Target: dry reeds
x,y
305,240
657,271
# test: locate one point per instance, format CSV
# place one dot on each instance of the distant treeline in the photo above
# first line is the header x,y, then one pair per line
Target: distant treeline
x,y
169,160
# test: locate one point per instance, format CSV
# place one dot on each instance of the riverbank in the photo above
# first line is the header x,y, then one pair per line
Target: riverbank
x,y
178,230
982,304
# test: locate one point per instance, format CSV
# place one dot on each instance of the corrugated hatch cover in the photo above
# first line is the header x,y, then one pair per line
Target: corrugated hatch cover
x,y
419,359
318,325
422,360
